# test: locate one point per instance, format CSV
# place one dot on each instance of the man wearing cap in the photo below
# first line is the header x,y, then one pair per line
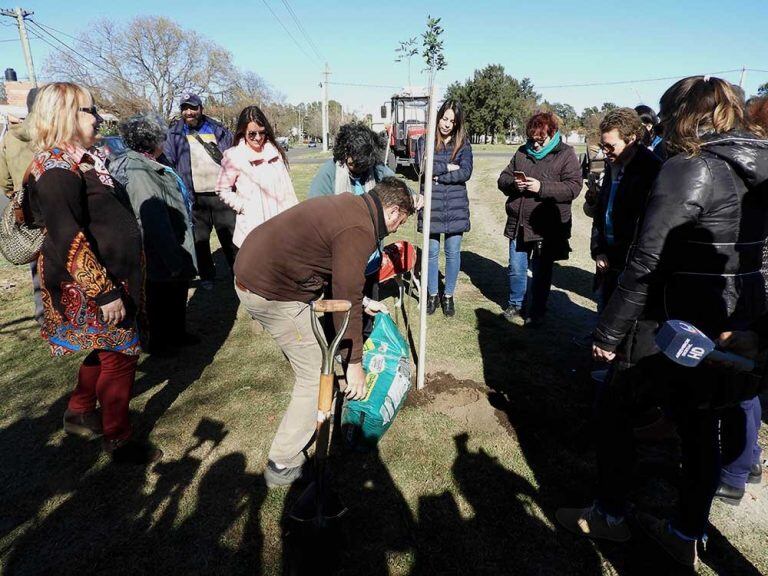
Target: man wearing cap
x,y
194,148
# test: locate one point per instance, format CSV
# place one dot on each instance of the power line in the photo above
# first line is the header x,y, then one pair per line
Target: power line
x,y
299,46
51,28
302,30
617,82
364,85
72,50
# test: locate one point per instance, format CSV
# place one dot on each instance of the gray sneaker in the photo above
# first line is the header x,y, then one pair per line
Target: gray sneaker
x,y
275,476
512,314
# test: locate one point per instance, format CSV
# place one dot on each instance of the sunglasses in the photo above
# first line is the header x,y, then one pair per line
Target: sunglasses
x,y
606,147
254,134
90,110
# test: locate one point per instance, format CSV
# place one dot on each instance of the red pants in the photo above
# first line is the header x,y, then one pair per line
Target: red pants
x,y
107,376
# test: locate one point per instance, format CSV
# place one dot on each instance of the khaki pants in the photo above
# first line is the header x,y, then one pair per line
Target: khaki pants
x,y
290,325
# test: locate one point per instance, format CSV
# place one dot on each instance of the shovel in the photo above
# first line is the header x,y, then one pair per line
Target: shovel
x,y
318,504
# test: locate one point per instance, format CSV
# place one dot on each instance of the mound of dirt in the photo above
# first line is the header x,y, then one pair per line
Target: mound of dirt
x,y
464,401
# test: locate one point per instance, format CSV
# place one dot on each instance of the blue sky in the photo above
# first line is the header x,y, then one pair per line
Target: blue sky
x,y
553,43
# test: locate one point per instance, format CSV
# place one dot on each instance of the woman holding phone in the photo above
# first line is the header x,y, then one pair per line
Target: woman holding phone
x,y
452,168
540,183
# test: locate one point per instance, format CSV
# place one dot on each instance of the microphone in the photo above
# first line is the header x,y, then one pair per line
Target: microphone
x,y
686,345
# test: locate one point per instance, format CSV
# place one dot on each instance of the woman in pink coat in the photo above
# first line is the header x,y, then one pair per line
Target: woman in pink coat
x,y
254,178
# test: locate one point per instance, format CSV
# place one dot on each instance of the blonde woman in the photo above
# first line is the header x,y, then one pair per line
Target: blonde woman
x,y
254,178
90,268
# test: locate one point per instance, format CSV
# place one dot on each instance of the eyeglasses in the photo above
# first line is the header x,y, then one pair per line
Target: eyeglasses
x,y
90,110
605,147
254,134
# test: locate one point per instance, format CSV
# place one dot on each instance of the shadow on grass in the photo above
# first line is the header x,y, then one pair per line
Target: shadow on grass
x,y
492,279
378,522
545,407
125,520
211,315
500,535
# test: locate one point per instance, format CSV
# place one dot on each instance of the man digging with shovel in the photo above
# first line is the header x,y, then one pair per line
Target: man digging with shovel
x,y
288,262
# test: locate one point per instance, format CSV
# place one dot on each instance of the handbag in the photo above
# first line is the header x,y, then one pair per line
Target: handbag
x,y
211,148
19,242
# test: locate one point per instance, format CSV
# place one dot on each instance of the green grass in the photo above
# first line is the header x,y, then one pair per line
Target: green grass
x,y
465,482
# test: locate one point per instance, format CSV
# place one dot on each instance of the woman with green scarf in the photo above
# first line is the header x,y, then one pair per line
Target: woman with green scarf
x,y
540,183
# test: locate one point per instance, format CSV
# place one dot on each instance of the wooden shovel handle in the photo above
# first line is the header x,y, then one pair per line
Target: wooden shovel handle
x,y
325,396
331,305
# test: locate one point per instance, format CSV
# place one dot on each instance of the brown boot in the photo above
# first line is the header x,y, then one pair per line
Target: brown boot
x,y
83,424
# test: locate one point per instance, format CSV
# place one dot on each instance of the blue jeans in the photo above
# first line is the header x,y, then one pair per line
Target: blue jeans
x,y
735,474
541,281
452,262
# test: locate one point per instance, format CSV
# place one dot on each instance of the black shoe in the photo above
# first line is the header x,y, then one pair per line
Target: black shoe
x,y
755,474
729,494
449,307
132,452
432,302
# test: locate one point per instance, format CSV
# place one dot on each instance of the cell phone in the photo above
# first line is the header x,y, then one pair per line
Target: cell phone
x,y
519,176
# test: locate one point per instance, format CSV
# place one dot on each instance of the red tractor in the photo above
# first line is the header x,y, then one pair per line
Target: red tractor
x,y
408,123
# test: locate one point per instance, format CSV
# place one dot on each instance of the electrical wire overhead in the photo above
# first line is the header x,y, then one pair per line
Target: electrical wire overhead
x,y
296,19
619,82
38,28
364,85
299,46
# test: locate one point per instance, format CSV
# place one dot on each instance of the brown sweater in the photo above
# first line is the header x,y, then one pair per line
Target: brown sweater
x,y
296,254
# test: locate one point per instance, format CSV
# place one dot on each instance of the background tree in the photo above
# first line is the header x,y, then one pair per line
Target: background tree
x,y
147,62
568,117
495,103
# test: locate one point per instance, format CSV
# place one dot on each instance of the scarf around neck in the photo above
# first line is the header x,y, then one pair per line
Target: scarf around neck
x,y
554,141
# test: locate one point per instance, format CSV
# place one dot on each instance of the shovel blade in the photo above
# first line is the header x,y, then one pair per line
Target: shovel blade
x,y
318,506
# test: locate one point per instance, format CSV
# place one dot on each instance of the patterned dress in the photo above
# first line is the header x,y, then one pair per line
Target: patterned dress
x,y
91,256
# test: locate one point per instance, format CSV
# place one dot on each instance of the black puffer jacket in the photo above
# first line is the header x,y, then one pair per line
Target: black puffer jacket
x,y
450,202
545,215
699,251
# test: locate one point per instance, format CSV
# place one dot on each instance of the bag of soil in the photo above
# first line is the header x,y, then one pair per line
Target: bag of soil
x,y
386,361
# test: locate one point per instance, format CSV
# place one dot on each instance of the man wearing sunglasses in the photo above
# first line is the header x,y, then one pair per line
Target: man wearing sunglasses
x,y
631,170
194,149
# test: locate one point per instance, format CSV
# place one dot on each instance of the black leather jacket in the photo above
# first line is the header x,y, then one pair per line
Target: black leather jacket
x,y
698,255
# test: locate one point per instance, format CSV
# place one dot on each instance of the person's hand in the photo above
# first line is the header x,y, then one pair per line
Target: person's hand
x,y
602,355
355,389
532,185
601,262
453,167
418,202
114,312
742,342
373,307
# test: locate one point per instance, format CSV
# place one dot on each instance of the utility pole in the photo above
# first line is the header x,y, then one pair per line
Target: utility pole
x,y
743,75
19,15
326,73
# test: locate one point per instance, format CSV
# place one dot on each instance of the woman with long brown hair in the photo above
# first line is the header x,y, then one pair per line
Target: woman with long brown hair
x,y
91,268
452,168
697,257
254,178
